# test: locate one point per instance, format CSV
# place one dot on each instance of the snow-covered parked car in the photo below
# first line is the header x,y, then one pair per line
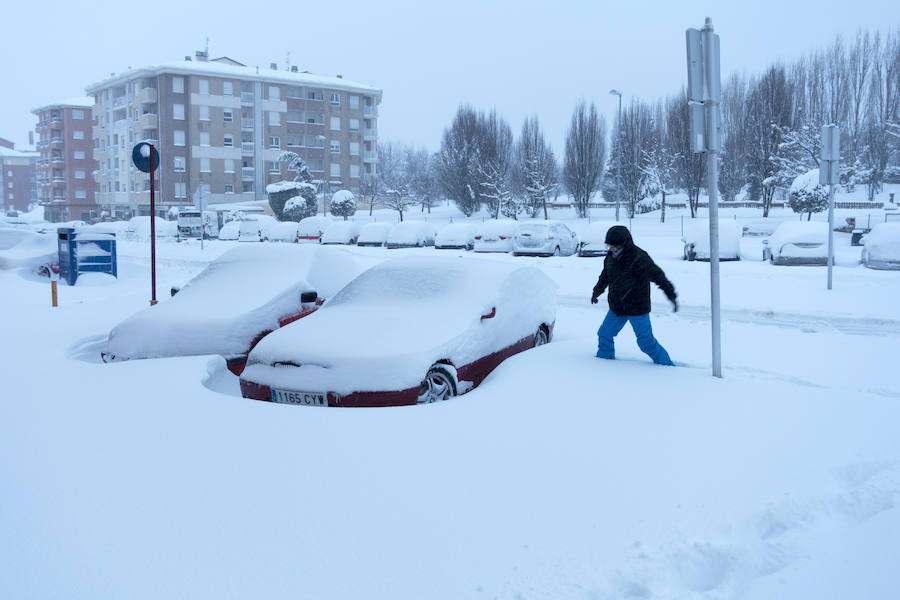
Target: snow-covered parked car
x,y
456,236
230,230
593,240
256,228
409,330
284,231
138,229
696,239
797,243
341,232
882,247
374,234
233,303
411,234
23,248
312,228
495,236
544,238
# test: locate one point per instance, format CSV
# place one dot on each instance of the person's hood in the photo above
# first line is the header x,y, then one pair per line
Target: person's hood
x,y
618,235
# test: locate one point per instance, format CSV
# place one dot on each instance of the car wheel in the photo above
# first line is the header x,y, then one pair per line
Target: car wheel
x,y
438,384
541,337
556,251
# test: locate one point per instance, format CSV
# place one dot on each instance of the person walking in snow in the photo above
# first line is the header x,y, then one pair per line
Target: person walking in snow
x,y
627,272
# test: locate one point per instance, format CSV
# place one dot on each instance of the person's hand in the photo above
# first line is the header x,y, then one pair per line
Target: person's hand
x,y
674,306
593,299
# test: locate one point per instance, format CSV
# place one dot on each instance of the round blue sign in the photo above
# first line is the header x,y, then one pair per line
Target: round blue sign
x,y
140,156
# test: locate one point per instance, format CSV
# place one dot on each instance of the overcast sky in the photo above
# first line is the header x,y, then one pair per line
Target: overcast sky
x,y
521,57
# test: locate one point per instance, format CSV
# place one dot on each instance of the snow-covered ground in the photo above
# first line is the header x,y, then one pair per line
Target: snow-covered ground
x,y
561,476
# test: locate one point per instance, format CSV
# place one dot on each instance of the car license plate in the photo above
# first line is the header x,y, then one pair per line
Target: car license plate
x,y
304,398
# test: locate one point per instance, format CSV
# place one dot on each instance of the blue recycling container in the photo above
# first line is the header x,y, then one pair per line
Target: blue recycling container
x,y
85,252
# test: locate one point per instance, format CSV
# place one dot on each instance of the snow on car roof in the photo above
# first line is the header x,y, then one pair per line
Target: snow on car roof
x,y
456,232
23,248
338,231
493,227
314,225
696,232
391,320
237,296
884,240
799,231
410,231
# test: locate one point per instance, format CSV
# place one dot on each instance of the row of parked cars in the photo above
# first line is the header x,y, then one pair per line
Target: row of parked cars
x,y
536,238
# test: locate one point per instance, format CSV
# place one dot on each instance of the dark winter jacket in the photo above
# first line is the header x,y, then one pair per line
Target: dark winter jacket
x,y
628,276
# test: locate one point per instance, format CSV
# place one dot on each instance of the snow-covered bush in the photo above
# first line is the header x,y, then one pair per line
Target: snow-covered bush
x,y
806,195
292,200
343,204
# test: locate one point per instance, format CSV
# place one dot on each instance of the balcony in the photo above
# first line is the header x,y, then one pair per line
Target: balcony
x,y
120,101
148,95
246,97
56,140
370,110
370,156
248,173
56,120
370,134
247,147
148,121
58,179
248,124
58,159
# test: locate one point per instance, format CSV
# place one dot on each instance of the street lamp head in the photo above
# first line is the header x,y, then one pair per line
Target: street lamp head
x,y
615,93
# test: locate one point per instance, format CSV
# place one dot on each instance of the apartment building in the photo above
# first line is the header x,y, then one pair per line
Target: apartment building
x,y
17,177
66,167
221,127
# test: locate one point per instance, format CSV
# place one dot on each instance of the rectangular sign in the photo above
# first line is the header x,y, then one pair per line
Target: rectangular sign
x,y
829,172
698,128
830,148
694,42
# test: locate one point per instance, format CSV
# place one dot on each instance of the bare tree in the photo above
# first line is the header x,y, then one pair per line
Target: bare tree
x,y
536,168
585,155
394,177
690,168
368,188
636,138
494,159
768,112
457,171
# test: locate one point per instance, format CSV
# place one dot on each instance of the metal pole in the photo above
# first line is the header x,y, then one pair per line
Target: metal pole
x,y
830,230
711,64
152,234
619,161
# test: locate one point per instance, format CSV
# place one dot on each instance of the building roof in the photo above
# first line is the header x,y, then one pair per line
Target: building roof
x,y
7,153
198,67
79,102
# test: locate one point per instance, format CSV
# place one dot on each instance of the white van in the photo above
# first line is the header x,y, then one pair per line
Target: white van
x,y
194,224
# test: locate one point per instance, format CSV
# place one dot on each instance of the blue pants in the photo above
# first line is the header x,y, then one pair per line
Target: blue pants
x,y
613,324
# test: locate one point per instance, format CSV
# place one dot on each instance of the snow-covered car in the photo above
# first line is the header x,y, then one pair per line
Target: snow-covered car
x,y
882,247
285,231
230,230
256,228
797,243
593,240
341,232
411,234
456,236
409,330
544,238
23,248
138,228
696,240
233,303
374,234
495,236
312,228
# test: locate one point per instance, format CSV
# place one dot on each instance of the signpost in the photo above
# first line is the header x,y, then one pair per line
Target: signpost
x,y
146,159
704,101
829,174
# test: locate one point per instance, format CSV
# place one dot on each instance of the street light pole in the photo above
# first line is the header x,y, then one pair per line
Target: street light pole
x,y
618,154
324,172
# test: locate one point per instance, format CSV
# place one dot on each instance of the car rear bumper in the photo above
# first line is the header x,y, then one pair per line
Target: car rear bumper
x,y
409,397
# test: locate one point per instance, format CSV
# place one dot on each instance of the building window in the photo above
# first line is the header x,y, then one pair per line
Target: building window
x,y
228,115
81,194
178,111
314,118
227,88
313,94
335,147
204,112
204,86
354,102
274,118
78,155
274,167
294,92
79,174
204,165
354,124
229,165
274,142
335,98
335,169
77,114
204,138
178,85
77,134
315,164
354,148
335,123
354,171
274,92
180,189
246,186
178,165
178,137
295,116
229,188
314,141
228,141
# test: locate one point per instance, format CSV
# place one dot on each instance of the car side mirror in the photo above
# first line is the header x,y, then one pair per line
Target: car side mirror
x,y
308,297
491,314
